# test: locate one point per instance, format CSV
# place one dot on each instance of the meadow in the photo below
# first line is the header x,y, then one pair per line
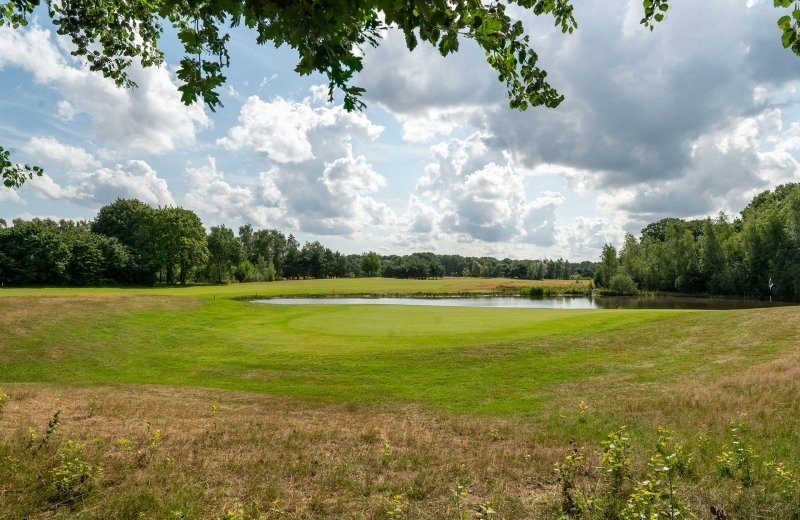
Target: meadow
x,y
191,403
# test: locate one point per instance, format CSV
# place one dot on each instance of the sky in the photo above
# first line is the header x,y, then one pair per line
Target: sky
x,y
689,120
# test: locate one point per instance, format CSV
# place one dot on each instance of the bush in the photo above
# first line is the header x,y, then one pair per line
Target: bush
x,y
622,283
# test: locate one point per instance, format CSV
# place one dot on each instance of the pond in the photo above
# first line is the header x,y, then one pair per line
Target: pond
x,y
557,302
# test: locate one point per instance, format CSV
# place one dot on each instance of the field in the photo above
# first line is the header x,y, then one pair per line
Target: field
x,y
197,405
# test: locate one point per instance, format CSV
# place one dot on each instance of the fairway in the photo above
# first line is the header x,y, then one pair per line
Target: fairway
x,y
465,360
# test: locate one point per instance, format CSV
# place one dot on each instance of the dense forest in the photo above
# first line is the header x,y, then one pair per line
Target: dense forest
x,y
754,255
131,243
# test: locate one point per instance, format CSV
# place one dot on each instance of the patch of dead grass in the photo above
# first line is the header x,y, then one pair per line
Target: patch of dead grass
x,y
20,315
309,461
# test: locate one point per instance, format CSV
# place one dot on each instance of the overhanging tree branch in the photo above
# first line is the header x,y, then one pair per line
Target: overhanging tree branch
x,y
327,34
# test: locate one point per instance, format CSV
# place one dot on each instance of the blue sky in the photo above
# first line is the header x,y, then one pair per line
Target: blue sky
x,y
687,121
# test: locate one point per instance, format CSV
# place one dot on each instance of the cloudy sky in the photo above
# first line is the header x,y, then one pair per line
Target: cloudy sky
x,y
686,121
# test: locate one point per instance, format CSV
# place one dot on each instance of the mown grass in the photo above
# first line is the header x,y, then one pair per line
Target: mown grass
x,y
467,360
331,411
337,286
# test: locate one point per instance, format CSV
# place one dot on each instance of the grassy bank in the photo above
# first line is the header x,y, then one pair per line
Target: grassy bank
x,y
355,412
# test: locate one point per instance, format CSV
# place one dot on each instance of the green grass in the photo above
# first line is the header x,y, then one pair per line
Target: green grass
x,y
389,286
467,360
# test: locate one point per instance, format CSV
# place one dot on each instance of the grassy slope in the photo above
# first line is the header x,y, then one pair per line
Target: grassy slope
x,y
460,359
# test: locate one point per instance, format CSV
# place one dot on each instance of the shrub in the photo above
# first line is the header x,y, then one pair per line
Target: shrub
x,y
622,283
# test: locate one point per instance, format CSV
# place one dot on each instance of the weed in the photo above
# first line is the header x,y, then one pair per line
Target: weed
x,y
52,426
784,481
387,454
215,428
727,463
153,436
656,497
4,398
567,471
737,460
34,442
239,513
398,506
372,435
485,511
536,292
93,405
126,445
583,409
673,453
74,476
460,494
616,459
31,438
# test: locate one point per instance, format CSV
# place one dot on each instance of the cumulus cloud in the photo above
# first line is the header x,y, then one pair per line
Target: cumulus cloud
x,y
584,237
210,192
150,118
539,219
681,121
664,123
474,193
134,179
49,149
315,180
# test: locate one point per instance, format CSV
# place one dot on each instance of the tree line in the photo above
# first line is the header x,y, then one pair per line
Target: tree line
x,y
754,255
132,243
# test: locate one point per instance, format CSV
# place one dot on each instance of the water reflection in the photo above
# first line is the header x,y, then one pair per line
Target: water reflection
x,y
558,302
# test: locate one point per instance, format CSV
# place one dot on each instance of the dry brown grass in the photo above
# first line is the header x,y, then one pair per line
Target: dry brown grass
x,y
287,459
283,458
24,314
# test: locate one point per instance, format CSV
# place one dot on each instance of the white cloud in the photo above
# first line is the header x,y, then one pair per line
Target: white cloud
x,y
479,195
277,129
210,192
49,149
584,237
321,186
430,123
11,196
680,121
539,219
66,111
134,179
150,118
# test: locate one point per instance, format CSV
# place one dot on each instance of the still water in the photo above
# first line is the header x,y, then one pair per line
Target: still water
x,y
558,302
